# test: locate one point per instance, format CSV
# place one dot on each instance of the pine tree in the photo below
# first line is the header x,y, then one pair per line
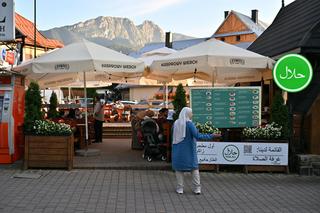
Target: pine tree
x,y
179,101
52,112
32,106
280,114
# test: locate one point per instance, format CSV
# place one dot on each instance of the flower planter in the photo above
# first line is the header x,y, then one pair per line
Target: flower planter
x,y
48,152
265,141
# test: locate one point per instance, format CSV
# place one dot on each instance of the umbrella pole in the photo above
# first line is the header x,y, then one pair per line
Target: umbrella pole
x,y
86,107
213,77
165,93
69,91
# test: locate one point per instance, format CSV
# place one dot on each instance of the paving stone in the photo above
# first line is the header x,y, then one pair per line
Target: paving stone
x,y
153,191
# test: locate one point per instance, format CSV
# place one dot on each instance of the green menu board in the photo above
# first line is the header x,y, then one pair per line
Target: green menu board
x,y
230,107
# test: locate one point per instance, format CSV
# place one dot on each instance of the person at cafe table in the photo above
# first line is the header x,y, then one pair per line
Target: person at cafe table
x,y
98,115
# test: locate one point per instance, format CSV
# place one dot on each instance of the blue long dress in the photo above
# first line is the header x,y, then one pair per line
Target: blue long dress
x,y
184,154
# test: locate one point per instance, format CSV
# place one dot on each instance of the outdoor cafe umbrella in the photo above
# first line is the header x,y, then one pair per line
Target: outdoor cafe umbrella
x,y
82,61
212,60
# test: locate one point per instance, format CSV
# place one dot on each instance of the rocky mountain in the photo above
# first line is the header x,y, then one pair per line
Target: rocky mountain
x,y
117,33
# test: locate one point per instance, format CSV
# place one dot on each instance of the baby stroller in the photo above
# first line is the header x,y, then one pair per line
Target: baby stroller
x,y
153,146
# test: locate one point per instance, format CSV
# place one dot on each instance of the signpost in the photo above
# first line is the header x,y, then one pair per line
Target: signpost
x,y
7,21
231,107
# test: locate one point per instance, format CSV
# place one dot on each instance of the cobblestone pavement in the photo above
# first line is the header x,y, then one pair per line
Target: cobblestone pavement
x,y
115,154
153,191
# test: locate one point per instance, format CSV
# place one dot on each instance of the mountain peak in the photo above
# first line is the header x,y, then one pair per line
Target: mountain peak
x,y
115,32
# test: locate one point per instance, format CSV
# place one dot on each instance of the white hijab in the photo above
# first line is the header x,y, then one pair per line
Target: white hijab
x,y
179,128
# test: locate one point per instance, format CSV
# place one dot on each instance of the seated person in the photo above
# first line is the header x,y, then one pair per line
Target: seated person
x,y
162,118
149,114
78,113
72,114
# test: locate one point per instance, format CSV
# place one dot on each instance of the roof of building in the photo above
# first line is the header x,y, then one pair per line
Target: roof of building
x,y
243,45
290,29
26,28
182,44
257,28
232,34
176,45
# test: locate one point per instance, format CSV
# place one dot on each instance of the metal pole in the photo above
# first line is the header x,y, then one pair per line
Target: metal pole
x,y
69,95
164,98
35,27
167,94
86,107
213,77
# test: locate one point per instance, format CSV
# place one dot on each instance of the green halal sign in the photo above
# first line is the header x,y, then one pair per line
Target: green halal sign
x,y
292,73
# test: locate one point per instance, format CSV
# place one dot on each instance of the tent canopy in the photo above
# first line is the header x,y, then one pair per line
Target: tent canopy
x,y
66,65
215,60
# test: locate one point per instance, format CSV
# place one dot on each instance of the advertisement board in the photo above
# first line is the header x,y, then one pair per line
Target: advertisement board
x,y
7,20
238,153
229,107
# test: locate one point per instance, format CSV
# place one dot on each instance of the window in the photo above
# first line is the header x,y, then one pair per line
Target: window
x,y
238,38
222,39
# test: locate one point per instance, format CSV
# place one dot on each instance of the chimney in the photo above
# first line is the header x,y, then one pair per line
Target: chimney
x,y
168,39
254,16
226,13
283,4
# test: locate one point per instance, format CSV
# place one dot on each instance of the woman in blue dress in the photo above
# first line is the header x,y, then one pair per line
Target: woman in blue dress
x,y
184,150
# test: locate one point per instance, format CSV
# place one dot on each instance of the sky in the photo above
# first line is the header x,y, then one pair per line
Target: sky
x,y
198,18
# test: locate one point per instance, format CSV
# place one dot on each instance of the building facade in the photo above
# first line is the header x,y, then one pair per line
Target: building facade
x,y
296,29
239,29
23,46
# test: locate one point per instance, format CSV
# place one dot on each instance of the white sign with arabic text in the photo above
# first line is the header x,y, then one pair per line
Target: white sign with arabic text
x,y
238,153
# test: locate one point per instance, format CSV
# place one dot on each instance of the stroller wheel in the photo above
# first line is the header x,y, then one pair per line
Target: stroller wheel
x,y
149,159
163,158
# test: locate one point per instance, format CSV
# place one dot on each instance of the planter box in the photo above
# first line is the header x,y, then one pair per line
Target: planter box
x,y
265,141
48,152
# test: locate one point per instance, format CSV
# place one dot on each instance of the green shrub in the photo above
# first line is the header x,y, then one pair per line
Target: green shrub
x,y
32,106
52,112
280,114
179,101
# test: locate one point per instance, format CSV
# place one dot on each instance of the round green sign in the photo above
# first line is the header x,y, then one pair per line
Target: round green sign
x,y
292,73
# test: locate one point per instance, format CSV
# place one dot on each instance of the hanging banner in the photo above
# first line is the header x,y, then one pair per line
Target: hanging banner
x,y
7,20
10,57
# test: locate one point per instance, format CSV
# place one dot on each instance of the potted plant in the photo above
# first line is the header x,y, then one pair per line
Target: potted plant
x,y
269,133
266,133
32,106
207,128
280,114
52,112
47,144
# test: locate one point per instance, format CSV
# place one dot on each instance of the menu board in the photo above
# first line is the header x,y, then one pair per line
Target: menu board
x,y
232,107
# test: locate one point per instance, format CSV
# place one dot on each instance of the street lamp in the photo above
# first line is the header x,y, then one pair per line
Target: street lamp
x,y
35,27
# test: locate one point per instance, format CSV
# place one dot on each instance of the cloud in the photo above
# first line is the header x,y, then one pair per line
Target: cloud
x,y
142,7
